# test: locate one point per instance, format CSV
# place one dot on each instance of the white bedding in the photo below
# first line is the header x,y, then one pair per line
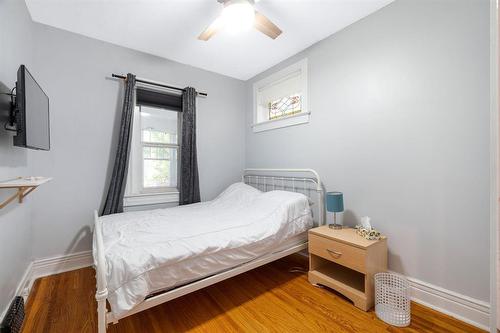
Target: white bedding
x,y
154,250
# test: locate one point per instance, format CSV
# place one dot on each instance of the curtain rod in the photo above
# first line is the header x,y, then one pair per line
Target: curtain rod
x,y
123,77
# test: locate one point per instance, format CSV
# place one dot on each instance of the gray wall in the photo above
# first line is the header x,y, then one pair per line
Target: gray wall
x,y
400,124
15,225
72,69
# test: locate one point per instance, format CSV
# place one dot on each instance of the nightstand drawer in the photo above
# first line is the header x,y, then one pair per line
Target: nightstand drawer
x,y
341,253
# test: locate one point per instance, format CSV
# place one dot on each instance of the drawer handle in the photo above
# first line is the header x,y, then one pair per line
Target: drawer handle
x,y
335,253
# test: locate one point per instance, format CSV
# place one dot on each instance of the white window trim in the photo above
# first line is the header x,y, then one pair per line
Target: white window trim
x,y
152,196
134,200
296,119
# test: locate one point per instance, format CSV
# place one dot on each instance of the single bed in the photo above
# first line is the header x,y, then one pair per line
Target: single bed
x,y
146,258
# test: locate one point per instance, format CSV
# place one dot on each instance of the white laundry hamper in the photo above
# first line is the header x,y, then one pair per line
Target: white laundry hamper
x,y
392,299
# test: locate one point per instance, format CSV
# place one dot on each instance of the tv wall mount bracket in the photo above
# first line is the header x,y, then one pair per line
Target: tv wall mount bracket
x,y
11,123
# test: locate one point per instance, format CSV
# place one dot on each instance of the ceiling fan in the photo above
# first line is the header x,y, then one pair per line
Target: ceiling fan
x,y
239,15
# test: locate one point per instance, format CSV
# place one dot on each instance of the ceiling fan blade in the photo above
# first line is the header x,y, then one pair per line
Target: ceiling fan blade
x,y
211,30
264,25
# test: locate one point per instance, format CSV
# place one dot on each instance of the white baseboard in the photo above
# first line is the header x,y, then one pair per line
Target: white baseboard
x,y
464,308
25,284
61,264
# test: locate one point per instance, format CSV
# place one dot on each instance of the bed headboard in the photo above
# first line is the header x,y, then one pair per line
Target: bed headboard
x,y
305,181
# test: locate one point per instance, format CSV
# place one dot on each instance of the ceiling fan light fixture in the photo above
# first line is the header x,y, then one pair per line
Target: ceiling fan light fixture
x,y
238,16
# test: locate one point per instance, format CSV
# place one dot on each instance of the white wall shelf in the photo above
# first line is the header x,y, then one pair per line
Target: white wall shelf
x,y
23,186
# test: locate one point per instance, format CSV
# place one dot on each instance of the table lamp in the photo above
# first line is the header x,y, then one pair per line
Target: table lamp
x,y
335,204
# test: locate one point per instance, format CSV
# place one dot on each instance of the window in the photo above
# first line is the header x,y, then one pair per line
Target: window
x,y
280,99
152,175
159,148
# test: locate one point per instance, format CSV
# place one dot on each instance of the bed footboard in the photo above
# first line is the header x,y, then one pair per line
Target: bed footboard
x,y
102,288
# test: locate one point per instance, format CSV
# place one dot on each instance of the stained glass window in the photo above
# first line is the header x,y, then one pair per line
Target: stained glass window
x,y
285,106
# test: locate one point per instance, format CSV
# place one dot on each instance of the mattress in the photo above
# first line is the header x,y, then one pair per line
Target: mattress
x,y
150,251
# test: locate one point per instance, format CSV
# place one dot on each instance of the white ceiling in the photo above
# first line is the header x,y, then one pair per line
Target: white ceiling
x,y
169,28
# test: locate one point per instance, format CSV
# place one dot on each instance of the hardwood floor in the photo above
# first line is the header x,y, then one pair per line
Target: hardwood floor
x,y
267,299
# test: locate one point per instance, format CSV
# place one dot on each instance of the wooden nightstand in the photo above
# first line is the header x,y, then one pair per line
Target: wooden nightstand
x,y
344,261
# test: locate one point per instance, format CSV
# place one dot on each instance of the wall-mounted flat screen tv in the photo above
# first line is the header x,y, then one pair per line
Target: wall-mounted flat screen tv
x,y
32,113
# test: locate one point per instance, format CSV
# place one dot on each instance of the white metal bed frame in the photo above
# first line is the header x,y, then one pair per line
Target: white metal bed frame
x,y
263,179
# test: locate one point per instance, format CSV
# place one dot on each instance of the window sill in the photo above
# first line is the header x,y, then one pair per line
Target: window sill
x,y
296,119
150,199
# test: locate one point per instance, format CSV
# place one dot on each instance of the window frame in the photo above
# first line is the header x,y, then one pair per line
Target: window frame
x,y
295,119
135,192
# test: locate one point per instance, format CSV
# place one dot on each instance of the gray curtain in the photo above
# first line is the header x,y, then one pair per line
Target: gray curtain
x,y
189,189
116,190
